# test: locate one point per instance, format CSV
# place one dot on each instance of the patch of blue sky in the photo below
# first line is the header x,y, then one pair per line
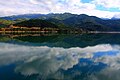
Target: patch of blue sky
x,y
107,53
102,8
62,1
86,1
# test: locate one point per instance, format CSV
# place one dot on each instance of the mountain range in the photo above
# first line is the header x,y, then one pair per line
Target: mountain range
x,y
82,21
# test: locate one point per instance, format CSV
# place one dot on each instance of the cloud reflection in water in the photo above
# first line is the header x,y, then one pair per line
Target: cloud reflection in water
x,y
55,62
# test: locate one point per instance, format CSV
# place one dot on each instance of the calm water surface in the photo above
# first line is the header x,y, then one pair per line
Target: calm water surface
x,y
60,57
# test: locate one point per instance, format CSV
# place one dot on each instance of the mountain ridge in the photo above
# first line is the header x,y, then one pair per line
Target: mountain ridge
x,y
83,21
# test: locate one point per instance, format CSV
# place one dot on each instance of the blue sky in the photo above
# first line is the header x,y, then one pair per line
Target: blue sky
x,y
99,8
86,1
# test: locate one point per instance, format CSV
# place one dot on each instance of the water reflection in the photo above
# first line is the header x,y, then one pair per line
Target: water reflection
x,y
100,62
56,40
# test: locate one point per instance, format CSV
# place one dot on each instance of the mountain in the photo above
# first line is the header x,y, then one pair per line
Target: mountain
x,y
81,21
86,22
40,16
25,16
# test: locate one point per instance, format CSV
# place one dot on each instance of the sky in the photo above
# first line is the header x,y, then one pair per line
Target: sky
x,y
99,8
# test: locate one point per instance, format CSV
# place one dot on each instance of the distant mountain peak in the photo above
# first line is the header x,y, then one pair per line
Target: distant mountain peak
x,y
116,16
83,15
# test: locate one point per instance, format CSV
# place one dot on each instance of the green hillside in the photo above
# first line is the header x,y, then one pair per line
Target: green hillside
x,y
36,23
5,23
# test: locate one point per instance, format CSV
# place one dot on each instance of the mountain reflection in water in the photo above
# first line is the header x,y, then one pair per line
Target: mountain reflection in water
x,y
21,59
56,40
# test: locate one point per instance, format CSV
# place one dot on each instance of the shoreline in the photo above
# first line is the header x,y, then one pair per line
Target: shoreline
x,y
49,31
105,32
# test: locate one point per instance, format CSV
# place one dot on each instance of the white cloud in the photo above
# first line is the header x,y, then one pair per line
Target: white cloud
x,y
108,3
15,7
112,71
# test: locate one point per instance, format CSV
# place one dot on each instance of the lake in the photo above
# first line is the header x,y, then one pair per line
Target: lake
x,y
60,57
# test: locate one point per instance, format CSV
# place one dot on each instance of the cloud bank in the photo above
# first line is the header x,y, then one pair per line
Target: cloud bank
x,y
99,8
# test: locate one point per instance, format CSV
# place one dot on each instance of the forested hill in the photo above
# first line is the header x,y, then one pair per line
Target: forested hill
x,y
36,23
5,23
